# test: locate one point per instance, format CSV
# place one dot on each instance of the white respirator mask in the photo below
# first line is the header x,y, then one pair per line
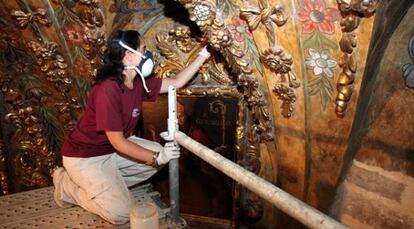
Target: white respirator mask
x,y
145,67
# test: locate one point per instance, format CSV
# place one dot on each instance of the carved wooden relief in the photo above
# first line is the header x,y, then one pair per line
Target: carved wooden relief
x,y
41,88
259,123
274,57
352,13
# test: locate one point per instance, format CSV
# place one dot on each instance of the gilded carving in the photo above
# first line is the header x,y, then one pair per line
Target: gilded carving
x,y
94,46
274,57
31,147
90,13
178,40
24,19
52,64
259,121
280,63
4,184
219,37
352,11
267,15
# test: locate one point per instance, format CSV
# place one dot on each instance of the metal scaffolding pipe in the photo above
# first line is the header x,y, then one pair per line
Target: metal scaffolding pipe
x,y
299,210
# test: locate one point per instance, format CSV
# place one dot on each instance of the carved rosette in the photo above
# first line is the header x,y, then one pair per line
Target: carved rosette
x,y
352,11
279,62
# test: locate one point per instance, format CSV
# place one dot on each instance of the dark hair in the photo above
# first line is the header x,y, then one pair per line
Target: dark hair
x,y
114,54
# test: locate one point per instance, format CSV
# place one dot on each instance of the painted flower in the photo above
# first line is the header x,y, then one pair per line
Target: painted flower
x,y
239,29
8,38
139,5
112,8
73,35
22,67
320,62
315,15
83,68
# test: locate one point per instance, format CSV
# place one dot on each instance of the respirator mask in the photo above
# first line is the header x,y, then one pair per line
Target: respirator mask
x,y
145,67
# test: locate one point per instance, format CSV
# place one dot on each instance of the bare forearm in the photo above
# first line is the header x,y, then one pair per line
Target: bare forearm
x,y
184,76
128,148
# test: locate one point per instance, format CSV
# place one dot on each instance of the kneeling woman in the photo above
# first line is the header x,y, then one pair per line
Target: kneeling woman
x,y
100,160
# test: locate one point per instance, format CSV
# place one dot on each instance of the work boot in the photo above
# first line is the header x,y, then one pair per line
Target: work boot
x,y
58,190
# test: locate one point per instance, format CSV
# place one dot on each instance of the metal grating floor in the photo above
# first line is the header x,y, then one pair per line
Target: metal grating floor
x,y
37,209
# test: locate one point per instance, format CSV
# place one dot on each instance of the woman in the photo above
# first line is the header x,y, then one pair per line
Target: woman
x,y
100,160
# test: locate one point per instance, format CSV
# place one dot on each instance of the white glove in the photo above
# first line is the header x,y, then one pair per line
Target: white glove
x,y
204,52
170,151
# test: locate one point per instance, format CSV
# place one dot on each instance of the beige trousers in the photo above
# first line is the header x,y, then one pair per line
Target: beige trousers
x,y
100,184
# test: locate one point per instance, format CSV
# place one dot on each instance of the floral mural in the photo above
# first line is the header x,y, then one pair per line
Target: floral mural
x,y
322,66
317,25
242,34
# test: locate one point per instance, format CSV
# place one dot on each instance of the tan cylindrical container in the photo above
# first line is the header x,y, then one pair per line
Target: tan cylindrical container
x,y
144,216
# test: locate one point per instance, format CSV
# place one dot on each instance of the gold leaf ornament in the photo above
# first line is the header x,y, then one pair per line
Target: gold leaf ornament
x,y
265,14
201,13
277,60
27,18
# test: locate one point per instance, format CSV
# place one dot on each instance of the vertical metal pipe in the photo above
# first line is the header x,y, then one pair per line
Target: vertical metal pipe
x,y
173,164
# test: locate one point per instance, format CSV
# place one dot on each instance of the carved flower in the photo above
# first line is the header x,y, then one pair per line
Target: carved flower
x,y
314,15
73,35
239,29
202,15
277,59
7,39
320,62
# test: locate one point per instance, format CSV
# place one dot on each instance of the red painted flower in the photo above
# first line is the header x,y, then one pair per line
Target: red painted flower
x,y
112,8
83,69
73,35
8,38
239,29
314,15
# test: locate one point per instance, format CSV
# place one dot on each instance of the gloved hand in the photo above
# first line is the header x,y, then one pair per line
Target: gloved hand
x,y
204,52
170,151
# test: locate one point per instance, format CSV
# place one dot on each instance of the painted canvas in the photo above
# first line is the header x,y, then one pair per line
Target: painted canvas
x,y
204,191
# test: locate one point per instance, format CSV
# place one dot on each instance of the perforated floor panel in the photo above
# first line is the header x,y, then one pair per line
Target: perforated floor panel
x,y
37,209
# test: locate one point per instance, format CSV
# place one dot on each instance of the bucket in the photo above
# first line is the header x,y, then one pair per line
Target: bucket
x,y
144,216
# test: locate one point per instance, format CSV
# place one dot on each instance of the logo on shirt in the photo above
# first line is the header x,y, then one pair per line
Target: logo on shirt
x,y
135,112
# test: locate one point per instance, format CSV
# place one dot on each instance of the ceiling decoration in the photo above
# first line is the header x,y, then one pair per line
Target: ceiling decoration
x,y
266,14
352,12
219,37
274,57
39,16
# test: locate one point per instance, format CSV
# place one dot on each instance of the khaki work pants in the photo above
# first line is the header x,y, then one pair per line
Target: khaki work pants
x,y
100,184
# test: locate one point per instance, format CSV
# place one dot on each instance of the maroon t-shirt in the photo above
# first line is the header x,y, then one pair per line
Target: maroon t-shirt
x,y
108,108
